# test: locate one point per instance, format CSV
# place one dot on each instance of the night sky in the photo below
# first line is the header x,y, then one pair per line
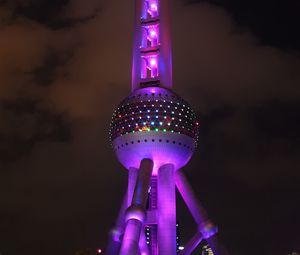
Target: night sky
x,y
65,65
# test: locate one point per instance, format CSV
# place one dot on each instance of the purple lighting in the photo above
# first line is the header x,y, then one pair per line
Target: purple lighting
x,y
153,62
153,34
153,7
154,133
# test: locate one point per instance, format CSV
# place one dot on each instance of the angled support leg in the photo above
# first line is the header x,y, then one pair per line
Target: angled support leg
x,y
118,230
216,246
205,226
136,213
192,244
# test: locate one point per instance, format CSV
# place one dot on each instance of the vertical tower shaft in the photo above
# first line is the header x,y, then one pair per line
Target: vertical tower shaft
x,y
152,58
166,206
153,206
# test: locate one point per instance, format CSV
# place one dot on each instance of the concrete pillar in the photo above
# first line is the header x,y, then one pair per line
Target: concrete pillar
x,y
118,230
132,177
166,206
165,56
144,250
198,212
130,242
136,213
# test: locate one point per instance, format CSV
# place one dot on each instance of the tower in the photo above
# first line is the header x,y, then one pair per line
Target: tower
x,y
154,133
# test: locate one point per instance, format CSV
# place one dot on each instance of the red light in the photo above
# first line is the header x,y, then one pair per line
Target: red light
x,y
99,251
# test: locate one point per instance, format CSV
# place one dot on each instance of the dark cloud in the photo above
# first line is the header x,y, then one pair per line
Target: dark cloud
x,y
273,22
40,11
279,120
248,160
24,124
48,72
45,12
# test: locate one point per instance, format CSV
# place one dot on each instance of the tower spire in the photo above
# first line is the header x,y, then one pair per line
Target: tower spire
x,y
154,133
152,57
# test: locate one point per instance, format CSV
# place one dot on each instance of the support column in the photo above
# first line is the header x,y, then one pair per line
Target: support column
x,y
136,213
153,208
198,212
192,244
205,227
144,250
118,230
166,206
132,177
165,56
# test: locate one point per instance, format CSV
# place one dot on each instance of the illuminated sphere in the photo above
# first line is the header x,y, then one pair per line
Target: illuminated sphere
x,y
154,123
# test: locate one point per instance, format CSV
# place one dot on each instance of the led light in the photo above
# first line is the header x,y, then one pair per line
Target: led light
x,y
153,62
153,7
153,34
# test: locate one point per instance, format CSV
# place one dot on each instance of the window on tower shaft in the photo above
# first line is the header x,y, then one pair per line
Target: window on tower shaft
x,y
150,36
149,68
150,9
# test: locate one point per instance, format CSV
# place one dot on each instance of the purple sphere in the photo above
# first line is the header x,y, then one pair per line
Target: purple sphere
x,y
154,123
